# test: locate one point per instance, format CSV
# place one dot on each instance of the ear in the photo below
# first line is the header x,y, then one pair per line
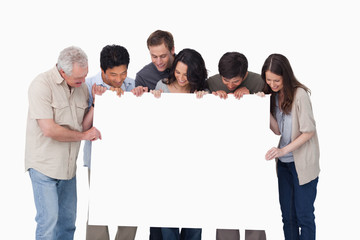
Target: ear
x,y
173,51
62,73
246,75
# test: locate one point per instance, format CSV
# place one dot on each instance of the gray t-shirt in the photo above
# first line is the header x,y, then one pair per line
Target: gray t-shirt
x,y
162,86
285,126
253,82
148,76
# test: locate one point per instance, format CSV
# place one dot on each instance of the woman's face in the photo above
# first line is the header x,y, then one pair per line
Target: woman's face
x,y
274,81
181,74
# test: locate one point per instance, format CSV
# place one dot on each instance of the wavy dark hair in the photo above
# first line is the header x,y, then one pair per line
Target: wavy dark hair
x,y
280,65
196,71
113,56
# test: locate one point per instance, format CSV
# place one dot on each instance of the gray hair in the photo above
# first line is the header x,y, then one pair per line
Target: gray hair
x,y
69,56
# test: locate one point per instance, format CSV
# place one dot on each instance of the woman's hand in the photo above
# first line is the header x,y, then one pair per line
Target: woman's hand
x,y
274,153
156,93
200,94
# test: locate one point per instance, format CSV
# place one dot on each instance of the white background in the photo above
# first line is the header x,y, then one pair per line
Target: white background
x,y
320,38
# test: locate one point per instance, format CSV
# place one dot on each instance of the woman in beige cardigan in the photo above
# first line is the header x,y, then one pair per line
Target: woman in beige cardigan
x,y
297,154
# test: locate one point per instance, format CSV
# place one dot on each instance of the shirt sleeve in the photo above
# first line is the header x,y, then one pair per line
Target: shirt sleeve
x,y
306,117
139,81
40,96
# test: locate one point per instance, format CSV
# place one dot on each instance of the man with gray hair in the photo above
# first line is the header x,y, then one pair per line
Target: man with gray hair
x,y
58,102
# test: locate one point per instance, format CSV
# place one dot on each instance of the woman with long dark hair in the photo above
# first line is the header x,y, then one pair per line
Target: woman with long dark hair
x,y
188,75
297,154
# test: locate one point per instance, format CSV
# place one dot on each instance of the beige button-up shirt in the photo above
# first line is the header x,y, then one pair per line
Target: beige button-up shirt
x,y
51,98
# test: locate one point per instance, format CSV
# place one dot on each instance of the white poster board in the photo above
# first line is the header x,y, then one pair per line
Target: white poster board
x,y
178,161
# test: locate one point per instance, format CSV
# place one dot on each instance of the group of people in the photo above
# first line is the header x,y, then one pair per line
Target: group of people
x,y
60,116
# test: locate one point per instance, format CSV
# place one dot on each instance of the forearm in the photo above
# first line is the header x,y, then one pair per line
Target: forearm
x,y
59,133
274,125
298,142
88,119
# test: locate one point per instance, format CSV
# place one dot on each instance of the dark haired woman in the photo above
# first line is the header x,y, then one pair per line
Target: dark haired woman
x,y
297,154
187,75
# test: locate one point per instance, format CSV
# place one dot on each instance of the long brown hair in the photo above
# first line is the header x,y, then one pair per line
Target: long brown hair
x,y
280,65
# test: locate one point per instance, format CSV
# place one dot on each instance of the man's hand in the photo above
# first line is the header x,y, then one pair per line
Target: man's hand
x,y
97,90
92,134
118,91
221,94
138,91
239,93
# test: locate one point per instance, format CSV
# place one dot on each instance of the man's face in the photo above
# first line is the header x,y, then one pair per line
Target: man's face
x,y
161,57
114,76
77,76
232,83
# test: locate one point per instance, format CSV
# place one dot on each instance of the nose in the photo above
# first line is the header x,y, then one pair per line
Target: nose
x,y
118,79
158,61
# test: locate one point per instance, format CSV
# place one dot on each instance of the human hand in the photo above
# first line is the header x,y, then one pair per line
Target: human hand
x,y
118,91
260,94
138,91
97,90
240,92
92,134
220,93
200,94
156,93
274,153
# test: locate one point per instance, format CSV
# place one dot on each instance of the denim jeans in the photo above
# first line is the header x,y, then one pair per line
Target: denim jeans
x,y
297,203
186,234
55,202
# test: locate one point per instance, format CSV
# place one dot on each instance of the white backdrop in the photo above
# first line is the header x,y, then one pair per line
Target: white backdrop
x,y
320,38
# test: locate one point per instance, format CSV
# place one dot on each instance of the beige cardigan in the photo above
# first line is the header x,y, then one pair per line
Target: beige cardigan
x,y
306,157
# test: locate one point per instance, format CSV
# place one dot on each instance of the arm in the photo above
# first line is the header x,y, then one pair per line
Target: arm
x,y
61,134
298,142
88,119
274,125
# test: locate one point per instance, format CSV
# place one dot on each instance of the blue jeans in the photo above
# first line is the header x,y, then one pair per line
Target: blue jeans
x,y
55,202
186,234
297,203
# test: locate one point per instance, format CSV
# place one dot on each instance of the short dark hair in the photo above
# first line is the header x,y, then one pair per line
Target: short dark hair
x,y
113,56
159,37
196,71
233,64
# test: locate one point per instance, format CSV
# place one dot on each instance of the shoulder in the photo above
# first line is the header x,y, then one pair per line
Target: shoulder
x,y
160,85
213,79
129,83
147,68
42,82
301,93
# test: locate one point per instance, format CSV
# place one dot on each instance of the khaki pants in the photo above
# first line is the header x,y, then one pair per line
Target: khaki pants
x,y
228,234
102,233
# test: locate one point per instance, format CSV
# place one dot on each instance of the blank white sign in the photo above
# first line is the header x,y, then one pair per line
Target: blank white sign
x,y
178,161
